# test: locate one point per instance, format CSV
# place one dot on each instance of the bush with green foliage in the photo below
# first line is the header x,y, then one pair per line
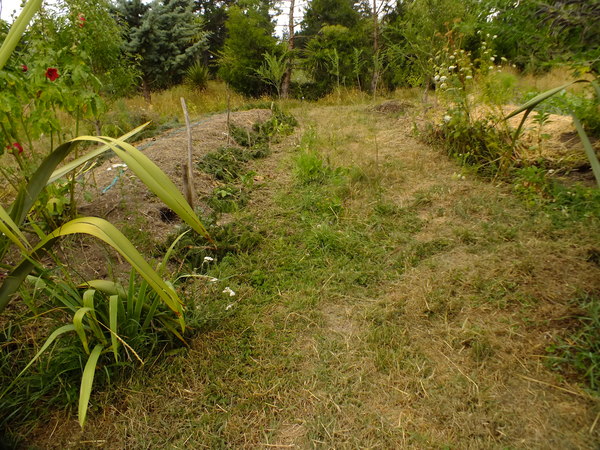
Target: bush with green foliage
x,y
415,31
331,58
481,143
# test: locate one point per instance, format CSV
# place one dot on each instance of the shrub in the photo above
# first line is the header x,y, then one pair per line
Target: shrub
x,y
196,76
478,144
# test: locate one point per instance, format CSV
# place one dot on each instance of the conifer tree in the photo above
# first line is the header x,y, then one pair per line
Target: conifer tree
x,y
249,38
329,12
166,36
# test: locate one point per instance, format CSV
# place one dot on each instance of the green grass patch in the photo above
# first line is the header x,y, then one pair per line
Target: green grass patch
x,y
579,352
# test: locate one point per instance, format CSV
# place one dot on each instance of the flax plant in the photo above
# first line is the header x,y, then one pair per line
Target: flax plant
x,y
93,321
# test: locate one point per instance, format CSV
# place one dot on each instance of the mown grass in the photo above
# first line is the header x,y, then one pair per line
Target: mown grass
x,y
380,301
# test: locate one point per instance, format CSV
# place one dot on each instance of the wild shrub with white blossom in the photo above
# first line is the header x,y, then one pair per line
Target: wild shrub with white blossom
x,y
456,71
459,79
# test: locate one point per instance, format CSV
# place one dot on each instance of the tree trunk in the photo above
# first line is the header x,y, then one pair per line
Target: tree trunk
x,y
287,77
375,78
146,90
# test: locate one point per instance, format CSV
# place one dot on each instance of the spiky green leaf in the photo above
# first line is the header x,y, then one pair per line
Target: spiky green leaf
x,y
87,381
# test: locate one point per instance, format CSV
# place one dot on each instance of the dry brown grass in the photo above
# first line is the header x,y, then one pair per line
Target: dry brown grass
x,y
557,76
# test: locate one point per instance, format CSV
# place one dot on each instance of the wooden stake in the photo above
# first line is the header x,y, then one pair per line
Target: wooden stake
x,y
228,110
188,174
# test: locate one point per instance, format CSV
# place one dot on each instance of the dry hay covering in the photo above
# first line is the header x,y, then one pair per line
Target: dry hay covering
x,y
556,141
393,107
120,197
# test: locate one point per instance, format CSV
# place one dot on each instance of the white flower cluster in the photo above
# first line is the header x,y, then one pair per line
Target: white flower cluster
x,y
454,69
229,291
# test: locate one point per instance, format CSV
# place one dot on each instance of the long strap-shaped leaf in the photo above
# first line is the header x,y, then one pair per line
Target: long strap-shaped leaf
x,y
156,180
79,327
106,286
87,380
17,29
528,106
11,230
105,231
63,170
47,172
113,311
29,194
589,148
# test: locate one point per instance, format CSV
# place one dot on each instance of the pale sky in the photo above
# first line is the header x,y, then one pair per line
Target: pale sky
x,y
8,6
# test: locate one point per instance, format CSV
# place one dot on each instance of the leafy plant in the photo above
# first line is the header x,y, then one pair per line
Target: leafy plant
x,y
273,69
108,320
227,199
227,163
263,133
538,189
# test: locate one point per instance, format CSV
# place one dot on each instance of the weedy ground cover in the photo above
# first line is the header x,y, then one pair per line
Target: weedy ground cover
x,y
378,299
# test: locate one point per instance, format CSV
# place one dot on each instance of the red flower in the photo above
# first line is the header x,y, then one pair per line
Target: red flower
x,y
24,68
52,73
81,19
15,146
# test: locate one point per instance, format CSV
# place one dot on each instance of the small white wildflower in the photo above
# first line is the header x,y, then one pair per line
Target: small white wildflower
x,y
229,291
443,78
478,31
503,58
213,280
491,67
436,78
451,67
487,35
443,85
492,59
469,77
228,307
452,56
494,36
514,65
447,118
208,259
